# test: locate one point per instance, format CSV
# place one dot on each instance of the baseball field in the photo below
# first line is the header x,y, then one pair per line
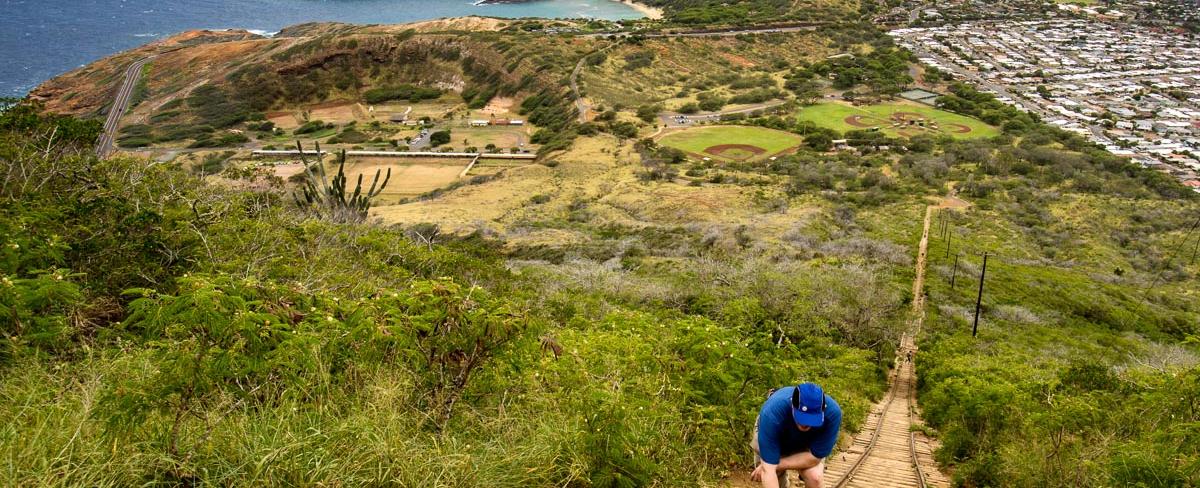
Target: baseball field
x,y
731,143
895,119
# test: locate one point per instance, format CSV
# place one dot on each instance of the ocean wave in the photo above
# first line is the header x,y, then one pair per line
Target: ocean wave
x,y
147,35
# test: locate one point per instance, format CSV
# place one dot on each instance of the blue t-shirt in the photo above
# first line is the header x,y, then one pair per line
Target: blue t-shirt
x,y
778,435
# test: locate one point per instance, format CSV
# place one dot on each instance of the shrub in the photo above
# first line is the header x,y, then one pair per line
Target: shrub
x,y
439,138
411,93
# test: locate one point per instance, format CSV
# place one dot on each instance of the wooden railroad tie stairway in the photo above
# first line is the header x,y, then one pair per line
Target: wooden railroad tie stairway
x,y
888,452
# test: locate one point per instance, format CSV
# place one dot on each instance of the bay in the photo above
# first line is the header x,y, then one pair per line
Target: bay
x,y
40,39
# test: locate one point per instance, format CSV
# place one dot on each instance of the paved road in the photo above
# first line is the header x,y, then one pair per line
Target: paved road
x,y
581,105
672,119
421,140
104,145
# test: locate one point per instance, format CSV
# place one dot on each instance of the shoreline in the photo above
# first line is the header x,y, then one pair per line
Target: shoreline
x,y
651,13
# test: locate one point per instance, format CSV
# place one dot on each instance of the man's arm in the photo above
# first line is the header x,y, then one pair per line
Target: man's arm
x,y
769,478
799,461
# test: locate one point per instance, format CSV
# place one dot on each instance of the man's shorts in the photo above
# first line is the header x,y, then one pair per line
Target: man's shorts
x,y
754,445
782,475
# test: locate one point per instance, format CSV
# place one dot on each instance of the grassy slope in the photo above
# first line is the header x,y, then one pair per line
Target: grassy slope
x,y
680,62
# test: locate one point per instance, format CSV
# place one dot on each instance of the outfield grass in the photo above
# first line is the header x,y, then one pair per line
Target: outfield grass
x,y
696,140
834,115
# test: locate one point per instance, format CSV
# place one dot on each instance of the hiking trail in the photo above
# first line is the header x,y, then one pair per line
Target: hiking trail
x,y
891,451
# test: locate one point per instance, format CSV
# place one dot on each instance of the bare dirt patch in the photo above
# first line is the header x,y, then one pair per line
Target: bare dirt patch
x,y
736,152
859,121
335,112
284,120
286,171
957,128
738,60
338,112
499,106
410,176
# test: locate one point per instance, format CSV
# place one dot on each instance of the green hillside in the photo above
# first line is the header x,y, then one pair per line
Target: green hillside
x,y
609,314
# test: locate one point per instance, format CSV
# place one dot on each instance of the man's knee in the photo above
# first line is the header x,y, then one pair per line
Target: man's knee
x,y
812,476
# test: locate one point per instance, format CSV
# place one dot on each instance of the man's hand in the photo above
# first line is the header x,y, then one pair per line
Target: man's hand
x,y
766,474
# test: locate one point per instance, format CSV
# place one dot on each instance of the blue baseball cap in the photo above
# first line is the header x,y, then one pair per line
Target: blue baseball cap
x,y
808,405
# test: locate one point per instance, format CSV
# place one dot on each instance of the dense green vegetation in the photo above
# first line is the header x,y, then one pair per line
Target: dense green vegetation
x,y
402,92
1085,369
175,332
883,72
716,12
156,328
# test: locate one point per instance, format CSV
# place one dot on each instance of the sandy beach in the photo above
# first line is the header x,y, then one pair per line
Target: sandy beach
x,y
650,12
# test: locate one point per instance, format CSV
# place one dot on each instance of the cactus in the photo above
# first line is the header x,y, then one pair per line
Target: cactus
x,y
329,199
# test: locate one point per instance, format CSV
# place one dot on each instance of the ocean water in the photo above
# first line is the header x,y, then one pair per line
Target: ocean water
x,y
40,39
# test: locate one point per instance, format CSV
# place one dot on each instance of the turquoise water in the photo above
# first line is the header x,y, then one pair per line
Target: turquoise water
x,y
43,38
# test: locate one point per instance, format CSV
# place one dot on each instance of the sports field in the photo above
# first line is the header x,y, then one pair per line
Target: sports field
x,y
896,120
730,142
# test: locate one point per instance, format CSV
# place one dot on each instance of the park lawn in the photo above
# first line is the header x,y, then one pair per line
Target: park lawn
x,y
833,116
696,140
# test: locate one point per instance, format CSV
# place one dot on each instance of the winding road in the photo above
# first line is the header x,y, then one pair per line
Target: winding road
x,y
105,144
581,104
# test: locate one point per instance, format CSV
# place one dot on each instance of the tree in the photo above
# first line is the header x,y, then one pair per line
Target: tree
x,y
648,112
438,138
807,91
819,141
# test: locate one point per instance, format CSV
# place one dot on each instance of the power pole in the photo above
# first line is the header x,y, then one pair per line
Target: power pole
x,y
1195,250
979,298
954,273
948,239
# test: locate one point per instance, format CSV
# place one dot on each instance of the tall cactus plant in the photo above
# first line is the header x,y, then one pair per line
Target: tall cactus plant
x,y
329,199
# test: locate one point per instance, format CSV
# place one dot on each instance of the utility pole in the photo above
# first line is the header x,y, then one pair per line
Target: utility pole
x,y
979,298
1195,250
954,273
948,239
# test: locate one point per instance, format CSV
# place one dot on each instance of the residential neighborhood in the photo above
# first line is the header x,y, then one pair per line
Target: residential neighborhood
x,y
1132,89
